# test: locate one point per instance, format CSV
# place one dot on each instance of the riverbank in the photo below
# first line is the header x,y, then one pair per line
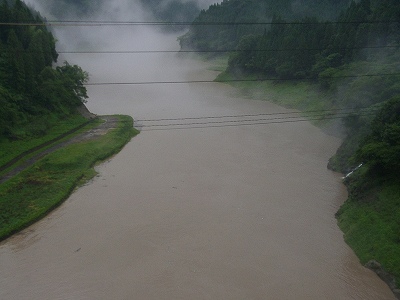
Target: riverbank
x,y
53,175
12,151
368,220
223,213
313,103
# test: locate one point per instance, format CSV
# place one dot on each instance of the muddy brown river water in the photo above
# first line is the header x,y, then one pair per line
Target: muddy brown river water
x,y
241,212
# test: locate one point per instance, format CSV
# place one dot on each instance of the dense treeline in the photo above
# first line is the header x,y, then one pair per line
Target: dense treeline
x,y
30,88
353,61
370,216
227,36
381,147
363,39
312,49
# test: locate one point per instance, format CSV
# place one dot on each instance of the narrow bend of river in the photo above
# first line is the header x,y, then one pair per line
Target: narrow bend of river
x,y
241,212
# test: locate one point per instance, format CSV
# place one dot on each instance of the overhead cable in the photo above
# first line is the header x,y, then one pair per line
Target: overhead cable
x,y
220,51
236,80
325,111
201,51
255,121
211,125
184,23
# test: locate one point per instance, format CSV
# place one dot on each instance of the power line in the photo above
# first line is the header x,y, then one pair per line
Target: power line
x,y
272,117
323,113
184,23
329,114
141,127
326,111
220,51
236,80
211,125
238,121
196,51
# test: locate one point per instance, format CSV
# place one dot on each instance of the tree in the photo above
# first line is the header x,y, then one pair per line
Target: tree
x,y
36,48
15,62
73,79
30,88
5,15
381,149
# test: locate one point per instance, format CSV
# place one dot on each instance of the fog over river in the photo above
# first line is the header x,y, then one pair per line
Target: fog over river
x,y
232,212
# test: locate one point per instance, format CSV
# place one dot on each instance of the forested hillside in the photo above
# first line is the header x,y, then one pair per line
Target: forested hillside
x,y
233,13
312,48
353,62
354,58
33,94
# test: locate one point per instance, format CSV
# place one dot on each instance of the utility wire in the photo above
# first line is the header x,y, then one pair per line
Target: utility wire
x,y
235,80
328,115
326,111
343,112
211,125
322,116
187,23
220,51
195,51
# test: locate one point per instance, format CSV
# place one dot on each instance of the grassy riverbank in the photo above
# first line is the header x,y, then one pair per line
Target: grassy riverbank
x,y
11,149
370,221
369,218
37,190
313,103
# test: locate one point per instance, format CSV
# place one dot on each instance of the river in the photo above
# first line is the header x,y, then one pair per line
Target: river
x,y
231,212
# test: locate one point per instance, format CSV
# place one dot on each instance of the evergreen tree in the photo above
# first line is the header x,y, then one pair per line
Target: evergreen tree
x,y
29,85
381,149
15,62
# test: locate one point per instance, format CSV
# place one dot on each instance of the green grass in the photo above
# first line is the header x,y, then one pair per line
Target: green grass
x,y
11,149
218,63
19,157
33,193
370,221
371,226
304,96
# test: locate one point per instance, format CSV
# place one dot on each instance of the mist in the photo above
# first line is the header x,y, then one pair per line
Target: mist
x,y
118,67
112,38
114,10
218,212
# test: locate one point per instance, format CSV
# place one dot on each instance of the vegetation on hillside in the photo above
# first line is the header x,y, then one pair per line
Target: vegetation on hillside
x,y
33,94
309,48
30,195
203,35
370,217
354,59
40,103
353,62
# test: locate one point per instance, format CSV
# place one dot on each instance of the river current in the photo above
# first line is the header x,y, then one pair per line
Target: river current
x,y
230,212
